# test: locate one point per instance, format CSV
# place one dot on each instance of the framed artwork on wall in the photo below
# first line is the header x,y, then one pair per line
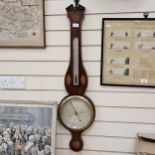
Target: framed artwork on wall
x,y
22,23
27,127
128,52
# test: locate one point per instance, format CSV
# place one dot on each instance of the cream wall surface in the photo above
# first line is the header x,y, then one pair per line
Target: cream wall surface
x,y
121,112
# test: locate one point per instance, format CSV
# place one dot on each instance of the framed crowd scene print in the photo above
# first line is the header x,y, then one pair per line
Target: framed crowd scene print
x,y
22,23
128,52
27,128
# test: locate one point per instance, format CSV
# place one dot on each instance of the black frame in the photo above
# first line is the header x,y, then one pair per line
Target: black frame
x,y
102,82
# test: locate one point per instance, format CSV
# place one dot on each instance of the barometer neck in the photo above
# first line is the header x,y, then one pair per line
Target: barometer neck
x,y
76,78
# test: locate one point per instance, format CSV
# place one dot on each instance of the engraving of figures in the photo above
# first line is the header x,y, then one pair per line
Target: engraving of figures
x,y
26,132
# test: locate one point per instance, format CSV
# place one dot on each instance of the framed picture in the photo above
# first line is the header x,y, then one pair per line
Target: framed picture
x,y
27,128
22,23
128,52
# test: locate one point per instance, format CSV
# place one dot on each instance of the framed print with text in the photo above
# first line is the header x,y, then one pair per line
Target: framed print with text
x,y
22,23
27,127
128,52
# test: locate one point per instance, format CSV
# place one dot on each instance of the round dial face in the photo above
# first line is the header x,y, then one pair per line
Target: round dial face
x,y
76,112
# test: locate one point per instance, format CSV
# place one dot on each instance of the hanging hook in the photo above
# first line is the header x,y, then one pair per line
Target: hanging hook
x,y
146,14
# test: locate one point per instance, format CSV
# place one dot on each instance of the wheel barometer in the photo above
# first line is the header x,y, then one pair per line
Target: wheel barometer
x,y
76,111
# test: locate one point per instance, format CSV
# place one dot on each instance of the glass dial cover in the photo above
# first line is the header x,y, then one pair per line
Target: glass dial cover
x,y
76,112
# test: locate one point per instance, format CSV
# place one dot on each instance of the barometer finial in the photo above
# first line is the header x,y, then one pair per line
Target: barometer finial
x,y
76,2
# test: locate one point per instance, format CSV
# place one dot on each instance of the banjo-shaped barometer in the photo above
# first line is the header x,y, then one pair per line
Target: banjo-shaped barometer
x,y
76,112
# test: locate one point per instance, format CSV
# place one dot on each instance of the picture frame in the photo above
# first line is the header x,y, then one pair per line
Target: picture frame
x,y
22,24
128,52
28,127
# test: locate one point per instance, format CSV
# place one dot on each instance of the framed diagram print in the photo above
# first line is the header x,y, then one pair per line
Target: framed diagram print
x,y
27,127
22,23
128,52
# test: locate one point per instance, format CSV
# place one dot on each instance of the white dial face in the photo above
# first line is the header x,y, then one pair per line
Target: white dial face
x,y
76,112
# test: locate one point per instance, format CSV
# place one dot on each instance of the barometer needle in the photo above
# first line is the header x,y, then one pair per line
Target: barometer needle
x,y
75,112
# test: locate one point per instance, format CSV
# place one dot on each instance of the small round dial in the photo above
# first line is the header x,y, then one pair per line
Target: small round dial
x,y
76,112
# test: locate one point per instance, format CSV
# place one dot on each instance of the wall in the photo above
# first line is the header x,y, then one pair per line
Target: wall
x,y
121,112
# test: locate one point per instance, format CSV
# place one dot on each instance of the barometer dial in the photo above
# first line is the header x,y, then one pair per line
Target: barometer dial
x,y
76,112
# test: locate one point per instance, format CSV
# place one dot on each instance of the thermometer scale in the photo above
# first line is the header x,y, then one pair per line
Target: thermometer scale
x,y
76,61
